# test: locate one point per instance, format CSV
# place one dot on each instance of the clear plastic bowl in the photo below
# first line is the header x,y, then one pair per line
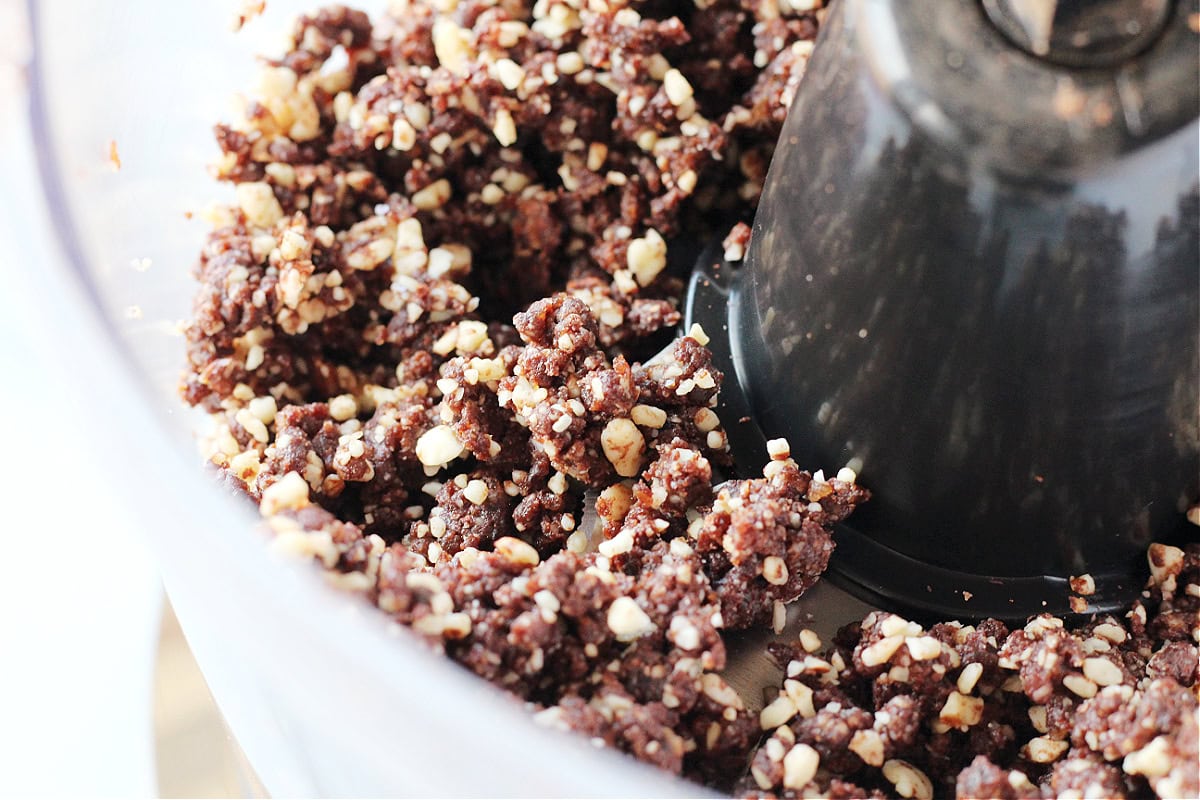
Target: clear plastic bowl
x,y
323,694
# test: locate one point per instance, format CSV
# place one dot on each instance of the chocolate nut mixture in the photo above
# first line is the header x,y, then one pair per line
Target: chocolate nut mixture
x,y
434,336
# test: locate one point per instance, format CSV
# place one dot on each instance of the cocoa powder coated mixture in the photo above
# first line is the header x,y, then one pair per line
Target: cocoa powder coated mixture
x,y
434,334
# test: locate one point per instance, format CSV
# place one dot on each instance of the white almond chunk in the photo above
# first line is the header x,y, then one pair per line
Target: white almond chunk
x,y
908,780
255,357
505,128
802,695
778,449
288,493
343,407
778,616
623,444
800,767
777,713
696,333
1102,672
879,652
1165,561
647,257
648,416
706,420
433,196
923,648
438,446
1083,584
1044,750
264,408
627,620
961,711
1080,685
716,689
456,625
472,334
517,551
969,677
476,492
684,634
618,545
258,203
1111,632
687,182
253,425
597,152
509,73
677,87
491,194
569,63
1037,718
451,45
868,745
775,570
1152,761
891,625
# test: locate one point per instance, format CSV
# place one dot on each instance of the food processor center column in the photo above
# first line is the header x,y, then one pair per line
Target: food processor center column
x,y
973,276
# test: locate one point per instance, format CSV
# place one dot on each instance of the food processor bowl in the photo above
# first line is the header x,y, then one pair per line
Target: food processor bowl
x,y
324,695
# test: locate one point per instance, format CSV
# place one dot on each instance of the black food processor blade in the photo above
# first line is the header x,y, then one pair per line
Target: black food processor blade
x,y
973,276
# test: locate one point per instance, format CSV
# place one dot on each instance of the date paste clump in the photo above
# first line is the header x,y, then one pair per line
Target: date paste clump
x,y
435,334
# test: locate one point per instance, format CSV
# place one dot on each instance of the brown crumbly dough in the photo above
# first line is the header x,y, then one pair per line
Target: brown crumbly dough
x,y
433,335
1105,710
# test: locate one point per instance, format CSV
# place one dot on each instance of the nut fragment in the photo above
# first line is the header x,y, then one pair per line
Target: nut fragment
x,y
802,696
517,551
1165,562
775,570
1102,672
696,332
923,648
961,711
677,87
504,128
969,677
438,446
289,493
258,203
908,780
1080,685
1152,761
777,713
432,196
647,257
476,491
876,654
1044,750
623,444
451,44
627,620
509,73
648,416
1083,584
800,766
868,745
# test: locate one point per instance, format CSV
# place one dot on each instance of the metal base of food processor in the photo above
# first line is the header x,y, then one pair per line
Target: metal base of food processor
x,y
861,566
